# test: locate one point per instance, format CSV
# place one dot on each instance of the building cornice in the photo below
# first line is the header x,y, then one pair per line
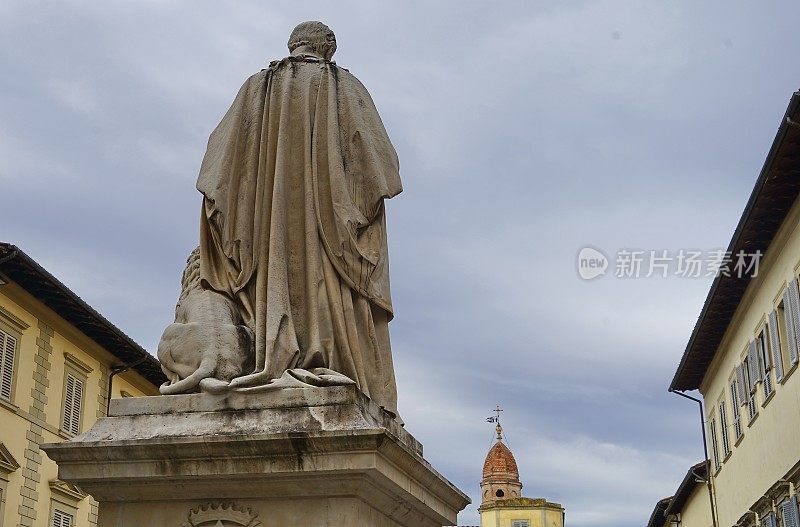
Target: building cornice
x,y
775,192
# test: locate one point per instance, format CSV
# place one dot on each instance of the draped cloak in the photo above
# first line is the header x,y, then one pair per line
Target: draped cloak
x,y
293,226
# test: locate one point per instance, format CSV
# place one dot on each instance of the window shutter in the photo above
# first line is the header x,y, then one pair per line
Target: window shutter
x,y
8,346
769,520
794,302
723,424
753,368
61,519
73,399
764,361
737,415
789,512
714,444
775,345
76,407
788,319
740,385
69,396
735,398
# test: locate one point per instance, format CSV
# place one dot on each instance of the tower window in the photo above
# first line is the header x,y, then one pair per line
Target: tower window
x,y
499,493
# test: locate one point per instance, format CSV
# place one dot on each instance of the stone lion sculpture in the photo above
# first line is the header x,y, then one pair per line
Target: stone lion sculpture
x,y
207,343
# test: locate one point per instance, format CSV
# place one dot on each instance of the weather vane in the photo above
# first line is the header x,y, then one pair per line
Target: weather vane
x,y
496,419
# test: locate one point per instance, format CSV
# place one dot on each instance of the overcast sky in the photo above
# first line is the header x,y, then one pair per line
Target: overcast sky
x,y
525,130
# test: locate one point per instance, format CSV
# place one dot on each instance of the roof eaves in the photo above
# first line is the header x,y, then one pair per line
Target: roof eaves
x,y
690,381
695,475
14,262
657,516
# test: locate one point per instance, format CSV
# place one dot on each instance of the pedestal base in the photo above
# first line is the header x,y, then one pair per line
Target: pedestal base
x,y
316,457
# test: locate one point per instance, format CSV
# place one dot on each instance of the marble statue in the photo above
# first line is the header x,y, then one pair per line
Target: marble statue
x,y
290,283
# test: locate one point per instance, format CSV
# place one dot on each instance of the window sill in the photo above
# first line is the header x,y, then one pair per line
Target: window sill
x,y
768,398
727,457
738,440
752,420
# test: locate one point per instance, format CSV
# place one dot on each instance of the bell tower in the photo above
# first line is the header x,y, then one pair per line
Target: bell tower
x,y
502,502
500,474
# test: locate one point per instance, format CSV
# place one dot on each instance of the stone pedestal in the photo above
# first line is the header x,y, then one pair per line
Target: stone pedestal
x,y
312,457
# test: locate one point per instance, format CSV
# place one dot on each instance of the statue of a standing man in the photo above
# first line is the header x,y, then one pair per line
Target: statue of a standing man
x,y
293,229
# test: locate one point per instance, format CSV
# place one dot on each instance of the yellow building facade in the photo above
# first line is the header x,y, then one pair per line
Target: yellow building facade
x,y
743,354
502,503
58,359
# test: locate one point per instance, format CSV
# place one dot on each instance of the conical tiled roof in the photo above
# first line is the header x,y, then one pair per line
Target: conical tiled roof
x,y
500,462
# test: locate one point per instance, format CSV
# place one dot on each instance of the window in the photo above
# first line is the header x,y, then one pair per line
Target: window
x,y
73,403
790,309
769,520
737,414
723,425
775,344
520,523
788,510
499,493
765,364
61,519
714,448
8,349
75,375
750,371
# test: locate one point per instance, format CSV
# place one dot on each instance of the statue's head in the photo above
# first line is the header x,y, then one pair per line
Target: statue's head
x,y
313,37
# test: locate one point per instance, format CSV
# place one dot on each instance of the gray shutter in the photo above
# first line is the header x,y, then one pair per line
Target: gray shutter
x,y
789,512
795,305
714,443
61,519
761,354
770,520
740,385
723,426
77,401
69,396
8,345
753,368
77,407
73,400
791,339
775,345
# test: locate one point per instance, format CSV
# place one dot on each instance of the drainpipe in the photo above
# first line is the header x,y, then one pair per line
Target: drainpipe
x,y
116,370
705,452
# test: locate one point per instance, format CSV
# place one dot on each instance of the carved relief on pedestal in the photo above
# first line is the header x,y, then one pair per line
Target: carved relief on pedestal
x,y
222,515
